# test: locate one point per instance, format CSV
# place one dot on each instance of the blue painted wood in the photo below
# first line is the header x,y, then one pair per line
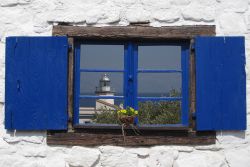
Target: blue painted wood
x,y
76,83
99,97
185,84
135,76
129,78
127,50
220,83
140,126
135,80
162,125
100,70
10,77
78,70
158,71
36,83
185,79
159,98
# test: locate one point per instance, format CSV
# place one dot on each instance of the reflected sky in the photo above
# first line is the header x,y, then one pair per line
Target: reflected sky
x,y
159,57
102,56
149,57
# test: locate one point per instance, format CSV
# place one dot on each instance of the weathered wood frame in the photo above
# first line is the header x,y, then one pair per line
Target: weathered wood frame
x,y
134,32
90,136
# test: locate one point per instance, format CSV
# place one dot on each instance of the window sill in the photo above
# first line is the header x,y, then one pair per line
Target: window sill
x,y
112,135
141,127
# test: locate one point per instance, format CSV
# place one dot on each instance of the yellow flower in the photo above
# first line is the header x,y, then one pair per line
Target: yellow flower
x,y
129,111
122,112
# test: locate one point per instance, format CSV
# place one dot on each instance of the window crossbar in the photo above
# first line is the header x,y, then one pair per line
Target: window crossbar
x,y
158,71
100,97
100,70
159,98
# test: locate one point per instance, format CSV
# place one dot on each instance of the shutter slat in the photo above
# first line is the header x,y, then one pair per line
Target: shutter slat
x,y
220,83
36,83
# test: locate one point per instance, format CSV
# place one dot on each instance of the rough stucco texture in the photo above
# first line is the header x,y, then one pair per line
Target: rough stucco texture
x,y
36,17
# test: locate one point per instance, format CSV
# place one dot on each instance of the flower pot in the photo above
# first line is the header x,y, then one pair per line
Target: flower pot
x,y
127,119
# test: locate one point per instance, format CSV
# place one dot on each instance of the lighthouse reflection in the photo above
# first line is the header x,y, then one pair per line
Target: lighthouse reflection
x,y
91,109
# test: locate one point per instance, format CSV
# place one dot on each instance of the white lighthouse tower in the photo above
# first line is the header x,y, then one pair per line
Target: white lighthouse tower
x,y
104,89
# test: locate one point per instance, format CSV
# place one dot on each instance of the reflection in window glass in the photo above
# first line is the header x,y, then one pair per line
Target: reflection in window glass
x,y
159,57
101,83
102,56
163,112
158,84
99,111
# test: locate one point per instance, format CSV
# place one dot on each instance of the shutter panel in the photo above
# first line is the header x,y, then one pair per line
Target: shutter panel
x,y
220,83
36,83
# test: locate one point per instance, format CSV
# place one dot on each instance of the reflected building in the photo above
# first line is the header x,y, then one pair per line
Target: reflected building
x,y
104,89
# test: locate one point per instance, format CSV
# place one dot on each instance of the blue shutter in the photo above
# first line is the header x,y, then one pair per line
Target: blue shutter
x,y
36,83
220,83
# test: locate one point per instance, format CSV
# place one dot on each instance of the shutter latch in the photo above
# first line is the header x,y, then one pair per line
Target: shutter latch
x,y
193,116
192,45
70,47
18,85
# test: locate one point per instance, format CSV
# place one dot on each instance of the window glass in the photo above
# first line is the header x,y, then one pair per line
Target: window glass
x,y
159,57
159,112
154,83
99,111
158,84
95,83
102,56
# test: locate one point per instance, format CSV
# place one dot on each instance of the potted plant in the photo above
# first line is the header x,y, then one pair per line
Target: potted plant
x,y
127,116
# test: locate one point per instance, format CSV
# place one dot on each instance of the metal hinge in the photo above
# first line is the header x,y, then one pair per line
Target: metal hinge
x,y
70,47
16,43
193,116
192,45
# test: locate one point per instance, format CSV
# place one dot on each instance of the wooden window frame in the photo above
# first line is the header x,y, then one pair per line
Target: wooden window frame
x,y
132,70
93,135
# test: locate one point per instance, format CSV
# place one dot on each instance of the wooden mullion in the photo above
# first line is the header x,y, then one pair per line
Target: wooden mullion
x,y
192,86
70,83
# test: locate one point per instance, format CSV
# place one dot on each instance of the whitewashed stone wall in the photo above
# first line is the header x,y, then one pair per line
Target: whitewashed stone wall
x,y
36,17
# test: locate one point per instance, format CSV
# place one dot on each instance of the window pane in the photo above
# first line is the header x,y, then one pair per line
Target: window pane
x,y
102,56
159,84
99,111
95,83
163,112
159,57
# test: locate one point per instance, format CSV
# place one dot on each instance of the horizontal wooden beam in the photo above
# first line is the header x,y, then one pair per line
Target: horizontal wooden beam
x,y
111,127
134,32
92,139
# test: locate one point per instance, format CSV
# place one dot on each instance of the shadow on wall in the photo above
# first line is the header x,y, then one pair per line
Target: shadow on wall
x,y
18,136
238,134
36,137
227,137
26,133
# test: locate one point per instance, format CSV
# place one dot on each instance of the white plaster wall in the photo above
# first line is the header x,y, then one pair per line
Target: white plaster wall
x,y
36,17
